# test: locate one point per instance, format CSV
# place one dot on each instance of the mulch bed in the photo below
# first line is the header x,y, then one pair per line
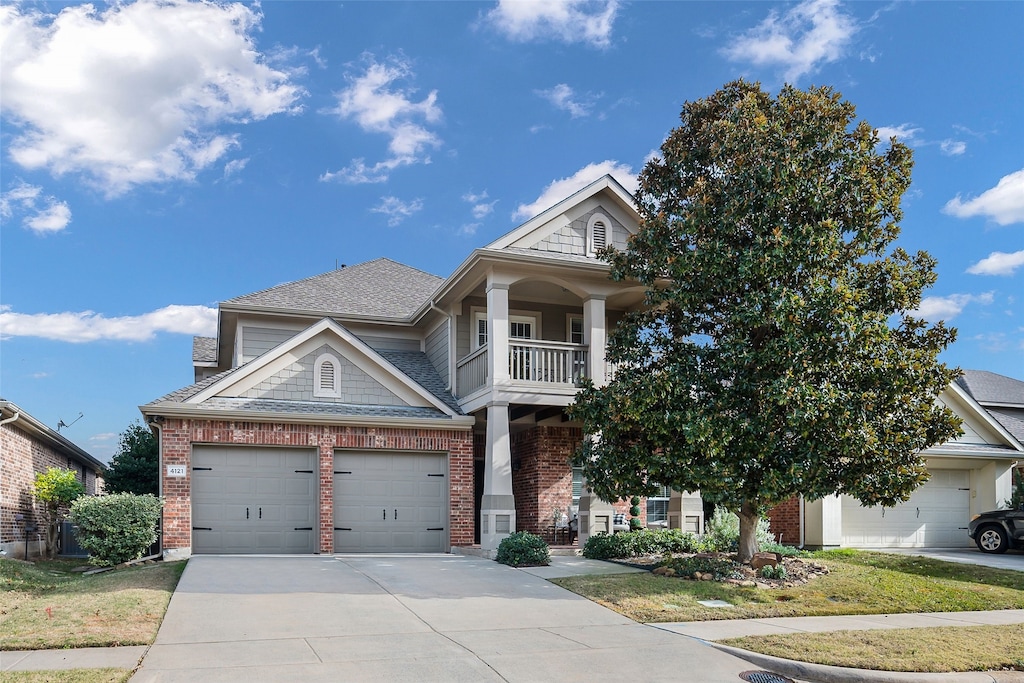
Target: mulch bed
x,y
799,571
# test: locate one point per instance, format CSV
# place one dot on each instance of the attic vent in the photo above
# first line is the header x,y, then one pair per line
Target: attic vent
x,y
597,233
326,381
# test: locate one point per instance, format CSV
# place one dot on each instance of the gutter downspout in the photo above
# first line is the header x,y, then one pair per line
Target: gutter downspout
x,y
13,418
155,424
801,522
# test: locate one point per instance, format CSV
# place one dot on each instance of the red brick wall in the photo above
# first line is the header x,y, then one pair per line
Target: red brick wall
x,y
179,435
784,521
543,482
21,457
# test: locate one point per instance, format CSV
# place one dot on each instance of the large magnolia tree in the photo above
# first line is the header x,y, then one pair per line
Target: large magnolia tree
x,y
777,353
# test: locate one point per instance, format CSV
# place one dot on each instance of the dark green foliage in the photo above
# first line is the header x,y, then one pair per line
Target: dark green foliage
x,y
636,543
720,567
116,528
135,468
523,549
776,572
56,489
634,514
778,353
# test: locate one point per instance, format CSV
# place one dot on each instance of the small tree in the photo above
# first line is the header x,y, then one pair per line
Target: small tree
x,y
55,489
116,528
777,353
135,468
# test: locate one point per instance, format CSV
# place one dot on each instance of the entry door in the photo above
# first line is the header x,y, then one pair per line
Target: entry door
x,y
390,502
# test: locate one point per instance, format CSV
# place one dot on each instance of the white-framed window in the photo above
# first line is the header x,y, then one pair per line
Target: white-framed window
x,y
519,327
657,506
574,329
577,485
599,229
327,376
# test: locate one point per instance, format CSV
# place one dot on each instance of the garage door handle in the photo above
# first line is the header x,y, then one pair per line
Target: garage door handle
x,y
261,513
435,528
304,471
396,514
384,514
340,472
435,475
303,528
343,528
202,528
919,512
202,469
247,513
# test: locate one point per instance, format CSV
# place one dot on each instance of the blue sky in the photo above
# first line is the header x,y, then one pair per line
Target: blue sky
x,y
160,157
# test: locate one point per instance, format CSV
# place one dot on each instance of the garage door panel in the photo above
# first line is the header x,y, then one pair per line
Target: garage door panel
x,y
392,502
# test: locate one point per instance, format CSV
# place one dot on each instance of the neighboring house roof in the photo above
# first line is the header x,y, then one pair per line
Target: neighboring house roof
x,y
1013,423
15,417
989,388
381,288
204,349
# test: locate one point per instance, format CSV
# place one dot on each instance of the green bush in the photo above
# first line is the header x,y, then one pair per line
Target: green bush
x,y
116,528
636,543
722,533
720,567
523,549
776,572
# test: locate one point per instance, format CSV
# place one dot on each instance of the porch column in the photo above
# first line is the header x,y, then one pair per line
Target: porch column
x,y
596,338
595,515
497,332
498,507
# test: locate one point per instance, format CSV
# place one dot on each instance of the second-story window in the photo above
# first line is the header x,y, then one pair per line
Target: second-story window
x,y
575,331
327,376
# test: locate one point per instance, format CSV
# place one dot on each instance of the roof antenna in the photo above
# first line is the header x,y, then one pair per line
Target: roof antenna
x,y
61,423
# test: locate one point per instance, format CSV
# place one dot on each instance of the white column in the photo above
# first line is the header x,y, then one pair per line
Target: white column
x,y
498,507
596,338
497,331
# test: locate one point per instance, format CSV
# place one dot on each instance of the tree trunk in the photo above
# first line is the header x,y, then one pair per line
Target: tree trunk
x,y
748,532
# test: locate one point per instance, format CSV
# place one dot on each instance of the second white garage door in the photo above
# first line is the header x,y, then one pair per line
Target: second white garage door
x,y
936,516
390,502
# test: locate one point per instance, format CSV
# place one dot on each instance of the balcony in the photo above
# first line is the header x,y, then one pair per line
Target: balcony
x,y
540,363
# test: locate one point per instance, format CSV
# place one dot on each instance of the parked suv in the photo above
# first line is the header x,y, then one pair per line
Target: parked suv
x,y
998,530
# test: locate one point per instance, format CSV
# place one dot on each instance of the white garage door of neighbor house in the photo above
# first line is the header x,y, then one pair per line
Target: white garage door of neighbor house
x,y
248,499
936,516
390,502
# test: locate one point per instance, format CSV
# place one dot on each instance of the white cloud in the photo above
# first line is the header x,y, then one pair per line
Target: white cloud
x,y
235,166
558,190
934,308
134,93
570,21
812,33
468,229
480,208
905,132
42,214
563,97
396,210
377,106
1003,203
952,147
87,326
998,263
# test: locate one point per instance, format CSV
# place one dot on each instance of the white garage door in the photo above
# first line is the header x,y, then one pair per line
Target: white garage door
x,y
248,499
936,516
390,502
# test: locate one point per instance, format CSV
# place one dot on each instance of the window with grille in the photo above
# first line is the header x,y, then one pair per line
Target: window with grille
x,y
657,505
577,484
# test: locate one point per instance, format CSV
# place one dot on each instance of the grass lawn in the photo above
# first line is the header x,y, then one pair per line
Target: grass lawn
x,y
68,676
968,648
48,606
858,583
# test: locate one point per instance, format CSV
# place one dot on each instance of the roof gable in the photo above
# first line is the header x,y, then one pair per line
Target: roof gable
x,y
380,288
979,427
989,388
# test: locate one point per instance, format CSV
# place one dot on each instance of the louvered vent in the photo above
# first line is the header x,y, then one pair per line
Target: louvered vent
x,y
327,376
600,236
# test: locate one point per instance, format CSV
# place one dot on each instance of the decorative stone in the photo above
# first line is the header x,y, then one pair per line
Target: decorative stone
x,y
760,560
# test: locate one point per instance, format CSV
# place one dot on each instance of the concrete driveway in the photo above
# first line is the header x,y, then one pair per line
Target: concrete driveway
x,y
1012,559
405,618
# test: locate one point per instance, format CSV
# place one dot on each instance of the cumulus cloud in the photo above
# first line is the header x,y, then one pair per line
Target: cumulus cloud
x,y
998,263
808,35
905,132
42,214
935,308
480,208
1003,203
569,21
135,93
558,190
377,105
564,98
397,210
88,326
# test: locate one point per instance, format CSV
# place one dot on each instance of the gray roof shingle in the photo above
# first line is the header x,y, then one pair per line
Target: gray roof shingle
x,y
417,366
1010,422
381,288
989,387
204,349
260,405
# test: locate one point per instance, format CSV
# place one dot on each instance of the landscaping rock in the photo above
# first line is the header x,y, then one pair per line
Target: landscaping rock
x,y
760,560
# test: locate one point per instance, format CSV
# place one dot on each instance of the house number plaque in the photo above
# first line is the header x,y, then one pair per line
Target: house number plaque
x,y
176,470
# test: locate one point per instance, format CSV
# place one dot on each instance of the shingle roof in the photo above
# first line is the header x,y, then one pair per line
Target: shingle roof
x,y
185,393
380,288
260,405
1011,423
417,366
988,387
204,349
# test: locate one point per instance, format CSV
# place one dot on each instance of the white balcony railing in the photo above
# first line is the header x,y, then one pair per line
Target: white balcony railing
x,y
554,363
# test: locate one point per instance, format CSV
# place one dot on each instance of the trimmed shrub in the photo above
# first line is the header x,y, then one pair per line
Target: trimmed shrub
x,y
770,572
607,546
116,528
635,543
523,549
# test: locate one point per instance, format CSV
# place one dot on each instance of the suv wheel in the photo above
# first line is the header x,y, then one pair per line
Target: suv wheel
x,y
992,539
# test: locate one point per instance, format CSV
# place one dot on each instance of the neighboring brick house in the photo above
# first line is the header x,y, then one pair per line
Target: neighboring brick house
x,y
28,447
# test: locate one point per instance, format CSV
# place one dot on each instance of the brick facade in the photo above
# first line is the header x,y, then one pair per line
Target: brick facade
x,y
21,458
179,435
542,475
784,521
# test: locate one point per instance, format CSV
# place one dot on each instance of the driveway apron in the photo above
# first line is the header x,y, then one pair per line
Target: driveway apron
x,y
405,618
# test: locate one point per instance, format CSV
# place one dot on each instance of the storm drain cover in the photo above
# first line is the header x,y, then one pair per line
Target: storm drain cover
x,y
764,677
